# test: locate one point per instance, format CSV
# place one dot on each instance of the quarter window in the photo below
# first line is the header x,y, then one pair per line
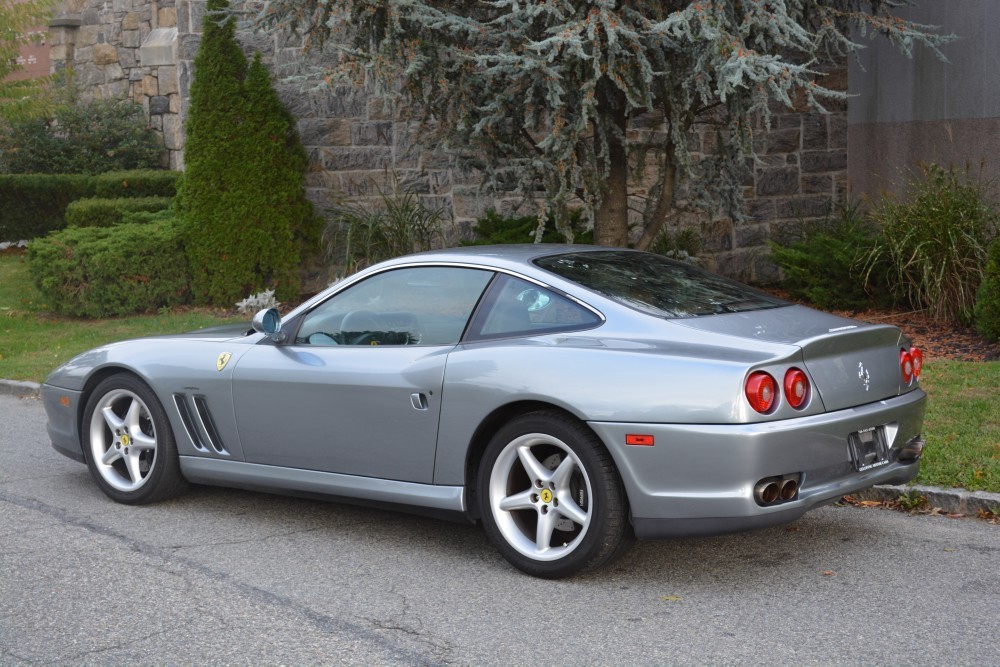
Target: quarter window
x,y
516,307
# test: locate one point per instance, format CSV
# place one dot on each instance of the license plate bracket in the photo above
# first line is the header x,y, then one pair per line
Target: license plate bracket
x,y
869,448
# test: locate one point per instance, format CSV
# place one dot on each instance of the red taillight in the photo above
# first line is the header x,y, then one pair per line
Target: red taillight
x,y
906,366
796,387
918,360
761,391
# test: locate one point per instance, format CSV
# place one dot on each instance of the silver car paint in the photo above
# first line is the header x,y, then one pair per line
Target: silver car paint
x,y
681,380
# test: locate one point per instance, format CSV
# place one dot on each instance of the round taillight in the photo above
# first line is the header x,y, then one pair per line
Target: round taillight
x,y
796,387
906,365
918,360
761,390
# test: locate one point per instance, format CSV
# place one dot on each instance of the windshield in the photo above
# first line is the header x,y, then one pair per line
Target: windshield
x,y
657,285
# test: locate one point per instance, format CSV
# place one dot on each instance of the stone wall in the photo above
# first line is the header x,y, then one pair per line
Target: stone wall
x,y
125,49
358,148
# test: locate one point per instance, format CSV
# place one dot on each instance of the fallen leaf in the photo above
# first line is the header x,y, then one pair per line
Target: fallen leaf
x,y
793,529
870,503
949,549
828,573
670,598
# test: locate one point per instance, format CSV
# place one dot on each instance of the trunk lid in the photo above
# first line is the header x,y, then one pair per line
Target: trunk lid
x,y
849,362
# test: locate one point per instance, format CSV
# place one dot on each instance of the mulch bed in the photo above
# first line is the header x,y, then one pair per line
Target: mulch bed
x,y
937,340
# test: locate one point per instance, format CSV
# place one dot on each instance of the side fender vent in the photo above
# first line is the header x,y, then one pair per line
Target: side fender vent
x,y
208,424
180,402
198,423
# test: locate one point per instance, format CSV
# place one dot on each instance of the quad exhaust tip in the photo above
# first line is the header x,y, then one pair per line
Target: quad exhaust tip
x,y
776,490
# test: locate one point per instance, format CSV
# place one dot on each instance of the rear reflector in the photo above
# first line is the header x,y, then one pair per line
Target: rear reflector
x,y
906,366
918,360
639,440
796,387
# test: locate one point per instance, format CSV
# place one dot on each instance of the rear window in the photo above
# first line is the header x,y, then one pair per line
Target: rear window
x,y
657,285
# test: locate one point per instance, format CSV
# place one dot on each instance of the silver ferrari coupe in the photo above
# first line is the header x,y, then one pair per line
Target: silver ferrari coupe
x,y
568,397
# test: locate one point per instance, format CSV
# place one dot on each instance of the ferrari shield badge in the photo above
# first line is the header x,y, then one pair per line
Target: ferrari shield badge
x,y
223,359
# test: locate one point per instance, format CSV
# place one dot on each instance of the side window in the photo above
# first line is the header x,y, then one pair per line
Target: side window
x,y
411,306
517,307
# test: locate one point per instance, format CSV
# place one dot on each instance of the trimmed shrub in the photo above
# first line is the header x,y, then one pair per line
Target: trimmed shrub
x,y
824,263
32,205
934,244
988,297
494,228
101,212
242,194
81,137
113,271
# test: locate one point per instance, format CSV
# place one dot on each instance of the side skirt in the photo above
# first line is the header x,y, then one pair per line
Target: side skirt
x,y
422,498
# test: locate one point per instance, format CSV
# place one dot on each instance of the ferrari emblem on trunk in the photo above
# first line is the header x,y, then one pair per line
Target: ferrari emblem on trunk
x,y
223,359
863,376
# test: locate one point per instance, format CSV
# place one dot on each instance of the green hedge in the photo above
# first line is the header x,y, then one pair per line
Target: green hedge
x,y
101,212
112,271
988,297
32,205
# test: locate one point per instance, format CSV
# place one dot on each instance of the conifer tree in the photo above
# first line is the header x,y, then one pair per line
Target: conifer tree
x,y
545,95
241,195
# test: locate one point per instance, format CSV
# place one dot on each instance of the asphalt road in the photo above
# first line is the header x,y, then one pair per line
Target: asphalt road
x,y
229,577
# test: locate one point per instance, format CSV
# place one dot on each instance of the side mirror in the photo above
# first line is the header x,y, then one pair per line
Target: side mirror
x,y
268,322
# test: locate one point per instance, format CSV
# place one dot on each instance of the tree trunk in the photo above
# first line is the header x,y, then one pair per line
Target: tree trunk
x,y
611,217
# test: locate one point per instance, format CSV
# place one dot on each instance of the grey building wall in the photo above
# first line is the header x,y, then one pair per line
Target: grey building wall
x,y
921,109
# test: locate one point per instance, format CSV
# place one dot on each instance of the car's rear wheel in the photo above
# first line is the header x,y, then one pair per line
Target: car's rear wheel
x,y
128,443
550,496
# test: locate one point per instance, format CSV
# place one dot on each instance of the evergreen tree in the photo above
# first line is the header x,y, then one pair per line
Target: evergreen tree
x,y
545,94
242,194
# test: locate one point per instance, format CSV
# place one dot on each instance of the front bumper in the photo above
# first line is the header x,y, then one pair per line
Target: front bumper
x,y
698,479
61,408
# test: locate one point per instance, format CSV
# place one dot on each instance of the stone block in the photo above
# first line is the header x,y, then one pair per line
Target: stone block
x,y
173,132
104,54
814,132
131,39
750,235
167,80
804,207
87,35
820,161
783,141
166,17
838,130
372,134
159,48
356,159
113,72
364,183
130,21
817,183
158,105
150,85
187,48
324,132
781,181
175,103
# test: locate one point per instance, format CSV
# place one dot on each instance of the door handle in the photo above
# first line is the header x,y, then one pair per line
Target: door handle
x,y
419,401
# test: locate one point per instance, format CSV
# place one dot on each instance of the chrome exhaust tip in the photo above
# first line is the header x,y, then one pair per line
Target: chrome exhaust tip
x,y
788,490
766,492
912,450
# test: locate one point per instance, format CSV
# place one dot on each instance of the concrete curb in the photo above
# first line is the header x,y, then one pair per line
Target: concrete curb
x,y
15,388
953,501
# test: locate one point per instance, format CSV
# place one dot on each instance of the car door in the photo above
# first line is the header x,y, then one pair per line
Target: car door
x,y
358,389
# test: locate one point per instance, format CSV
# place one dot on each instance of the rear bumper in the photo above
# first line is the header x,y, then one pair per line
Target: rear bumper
x,y
699,479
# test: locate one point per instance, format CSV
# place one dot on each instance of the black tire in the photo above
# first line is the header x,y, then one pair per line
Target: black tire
x,y
575,496
128,444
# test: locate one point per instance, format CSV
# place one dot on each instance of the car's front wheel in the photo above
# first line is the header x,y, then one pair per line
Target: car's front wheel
x,y
551,499
128,444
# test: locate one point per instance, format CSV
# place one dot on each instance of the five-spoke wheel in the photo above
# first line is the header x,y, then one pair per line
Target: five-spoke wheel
x,y
128,443
551,498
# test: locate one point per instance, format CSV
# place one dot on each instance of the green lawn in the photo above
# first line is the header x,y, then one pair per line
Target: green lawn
x,y
33,342
962,425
